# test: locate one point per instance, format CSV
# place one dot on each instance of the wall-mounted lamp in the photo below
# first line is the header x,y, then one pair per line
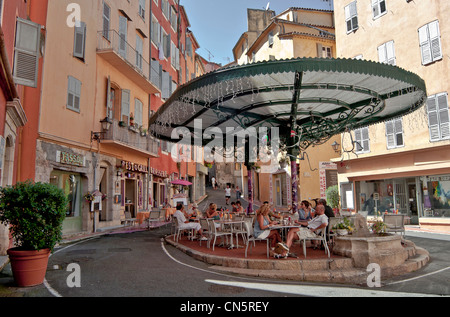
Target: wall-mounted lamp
x,y
336,147
106,124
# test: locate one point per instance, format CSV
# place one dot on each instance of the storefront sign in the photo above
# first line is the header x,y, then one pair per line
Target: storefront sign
x,y
69,158
159,173
134,167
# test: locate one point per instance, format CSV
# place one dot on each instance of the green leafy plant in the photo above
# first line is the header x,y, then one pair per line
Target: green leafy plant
x,y
332,193
35,213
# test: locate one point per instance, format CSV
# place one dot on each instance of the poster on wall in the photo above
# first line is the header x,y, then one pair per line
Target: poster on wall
x,y
327,177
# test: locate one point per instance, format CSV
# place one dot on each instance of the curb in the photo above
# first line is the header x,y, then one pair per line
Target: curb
x,y
341,271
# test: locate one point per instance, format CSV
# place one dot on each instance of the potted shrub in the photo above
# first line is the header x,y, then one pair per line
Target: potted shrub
x,y
332,194
34,212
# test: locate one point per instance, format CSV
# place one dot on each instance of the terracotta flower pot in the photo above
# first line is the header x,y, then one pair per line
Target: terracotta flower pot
x,y
28,267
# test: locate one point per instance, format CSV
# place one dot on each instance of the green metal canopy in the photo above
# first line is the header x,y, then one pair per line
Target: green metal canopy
x,y
316,97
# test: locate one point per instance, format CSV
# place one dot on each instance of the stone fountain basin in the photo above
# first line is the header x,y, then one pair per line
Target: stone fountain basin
x,y
386,251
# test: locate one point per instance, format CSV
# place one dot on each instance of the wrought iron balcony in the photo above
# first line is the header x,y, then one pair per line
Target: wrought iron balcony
x,y
130,139
119,53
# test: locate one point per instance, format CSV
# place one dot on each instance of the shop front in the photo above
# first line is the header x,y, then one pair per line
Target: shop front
x,y
132,190
159,190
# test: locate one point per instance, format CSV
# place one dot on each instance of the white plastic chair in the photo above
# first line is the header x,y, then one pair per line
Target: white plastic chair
x,y
395,223
206,230
251,238
321,237
155,216
216,232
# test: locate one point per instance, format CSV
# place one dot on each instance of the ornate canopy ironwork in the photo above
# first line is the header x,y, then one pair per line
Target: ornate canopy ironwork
x,y
315,97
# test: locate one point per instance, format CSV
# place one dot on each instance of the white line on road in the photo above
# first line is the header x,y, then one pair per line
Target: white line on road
x,y
320,291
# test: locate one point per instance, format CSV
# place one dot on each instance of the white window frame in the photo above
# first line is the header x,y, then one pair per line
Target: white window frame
x,y
73,92
394,133
351,13
438,117
362,140
430,42
376,8
386,53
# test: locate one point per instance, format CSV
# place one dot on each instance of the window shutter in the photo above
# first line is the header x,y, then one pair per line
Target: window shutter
x,y
154,75
125,106
358,139
165,88
26,53
365,139
270,39
435,40
106,18
351,16
433,121
73,94
390,134
444,120
109,111
425,47
79,40
398,130
138,112
390,53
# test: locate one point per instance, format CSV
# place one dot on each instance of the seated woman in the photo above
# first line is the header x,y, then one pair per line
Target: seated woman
x,y
305,211
262,226
212,212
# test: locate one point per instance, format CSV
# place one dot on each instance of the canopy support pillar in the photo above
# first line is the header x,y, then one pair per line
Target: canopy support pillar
x,y
293,138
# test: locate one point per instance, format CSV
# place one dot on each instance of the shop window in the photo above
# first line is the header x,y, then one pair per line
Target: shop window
x,y
71,185
437,196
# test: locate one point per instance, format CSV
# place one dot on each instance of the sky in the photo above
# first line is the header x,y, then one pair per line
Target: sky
x,y
218,24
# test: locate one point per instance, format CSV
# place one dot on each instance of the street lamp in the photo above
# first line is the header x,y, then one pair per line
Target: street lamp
x,y
106,124
336,147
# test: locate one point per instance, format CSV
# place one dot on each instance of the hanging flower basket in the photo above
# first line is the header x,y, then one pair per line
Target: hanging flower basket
x,y
89,197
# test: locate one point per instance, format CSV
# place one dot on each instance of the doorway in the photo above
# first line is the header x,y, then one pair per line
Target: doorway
x,y
412,204
130,197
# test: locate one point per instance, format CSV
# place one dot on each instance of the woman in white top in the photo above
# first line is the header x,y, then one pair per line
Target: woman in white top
x,y
227,194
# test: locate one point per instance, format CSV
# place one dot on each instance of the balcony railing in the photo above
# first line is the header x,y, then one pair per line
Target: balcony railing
x,y
131,138
119,53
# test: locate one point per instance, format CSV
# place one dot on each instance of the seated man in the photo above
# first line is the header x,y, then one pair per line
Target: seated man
x,y
311,228
185,224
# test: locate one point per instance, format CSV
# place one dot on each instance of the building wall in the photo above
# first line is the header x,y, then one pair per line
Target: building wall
x,y
293,40
419,157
